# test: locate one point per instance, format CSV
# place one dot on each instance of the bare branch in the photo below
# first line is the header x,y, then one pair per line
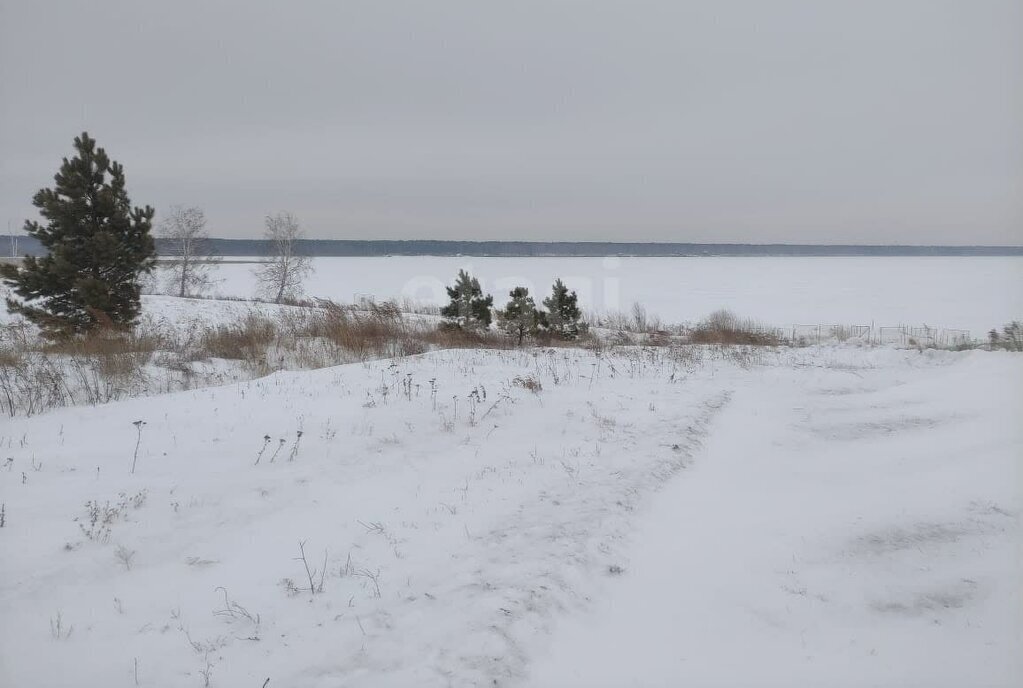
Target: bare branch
x,y
281,275
190,248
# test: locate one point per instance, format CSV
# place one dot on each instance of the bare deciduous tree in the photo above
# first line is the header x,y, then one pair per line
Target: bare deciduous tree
x,y
185,230
281,275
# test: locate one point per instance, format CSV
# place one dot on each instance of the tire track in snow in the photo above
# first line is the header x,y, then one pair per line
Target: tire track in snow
x,y
546,562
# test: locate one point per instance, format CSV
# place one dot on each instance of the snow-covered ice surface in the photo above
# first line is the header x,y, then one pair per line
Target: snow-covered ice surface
x,y
974,294
795,517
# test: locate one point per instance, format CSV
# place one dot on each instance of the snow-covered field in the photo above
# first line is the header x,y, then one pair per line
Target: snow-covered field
x,y
649,517
973,294
836,515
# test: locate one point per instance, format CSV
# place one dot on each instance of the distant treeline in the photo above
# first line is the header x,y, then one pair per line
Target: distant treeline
x,y
418,247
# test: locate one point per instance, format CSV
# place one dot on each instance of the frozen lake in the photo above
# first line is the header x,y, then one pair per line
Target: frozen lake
x,y
968,293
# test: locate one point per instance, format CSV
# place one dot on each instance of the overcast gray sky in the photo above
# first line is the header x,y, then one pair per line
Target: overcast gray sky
x,y
819,121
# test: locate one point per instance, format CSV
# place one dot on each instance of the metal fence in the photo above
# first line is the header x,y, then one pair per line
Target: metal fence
x,y
904,335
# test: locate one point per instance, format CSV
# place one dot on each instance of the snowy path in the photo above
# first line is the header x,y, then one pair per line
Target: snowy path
x,y
826,535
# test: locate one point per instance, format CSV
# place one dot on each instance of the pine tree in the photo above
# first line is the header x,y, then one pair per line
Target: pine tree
x,y
468,308
98,246
520,316
1012,336
563,314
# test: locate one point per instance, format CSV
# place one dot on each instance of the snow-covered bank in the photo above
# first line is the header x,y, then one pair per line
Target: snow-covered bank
x,y
839,528
181,313
460,507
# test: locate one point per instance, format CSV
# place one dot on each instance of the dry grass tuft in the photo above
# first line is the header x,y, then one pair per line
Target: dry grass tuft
x,y
528,382
117,354
245,341
445,336
37,375
724,327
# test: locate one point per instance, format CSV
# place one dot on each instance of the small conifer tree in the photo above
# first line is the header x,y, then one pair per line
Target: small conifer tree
x,y
468,308
563,314
520,317
1011,338
97,247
